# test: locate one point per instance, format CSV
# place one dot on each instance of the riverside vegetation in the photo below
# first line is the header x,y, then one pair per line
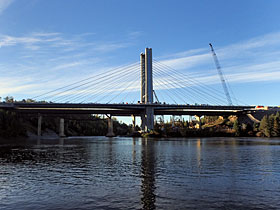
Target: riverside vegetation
x,y
15,124
212,126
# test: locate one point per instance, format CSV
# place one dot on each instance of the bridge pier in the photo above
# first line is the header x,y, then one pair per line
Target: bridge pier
x,y
148,119
133,122
61,127
143,122
110,127
39,127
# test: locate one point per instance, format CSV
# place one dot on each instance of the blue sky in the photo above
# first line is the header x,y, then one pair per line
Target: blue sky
x,y
45,44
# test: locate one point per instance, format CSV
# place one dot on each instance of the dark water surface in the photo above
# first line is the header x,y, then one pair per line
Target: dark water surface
x,y
135,173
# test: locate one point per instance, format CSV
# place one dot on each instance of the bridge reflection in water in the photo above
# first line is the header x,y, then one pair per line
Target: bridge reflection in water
x,y
148,163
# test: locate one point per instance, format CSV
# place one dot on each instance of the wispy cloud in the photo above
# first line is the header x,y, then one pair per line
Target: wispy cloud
x,y
52,59
4,4
108,47
28,41
67,65
254,60
55,59
135,34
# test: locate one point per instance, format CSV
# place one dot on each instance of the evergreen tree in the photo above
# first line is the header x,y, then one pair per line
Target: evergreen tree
x,y
264,126
271,122
277,117
236,128
276,125
275,128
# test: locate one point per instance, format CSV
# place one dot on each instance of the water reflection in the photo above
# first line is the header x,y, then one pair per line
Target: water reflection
x,y
125,173
148,162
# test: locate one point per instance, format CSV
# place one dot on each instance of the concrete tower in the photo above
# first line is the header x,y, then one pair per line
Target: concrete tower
x,y
148,76
142,66
147,118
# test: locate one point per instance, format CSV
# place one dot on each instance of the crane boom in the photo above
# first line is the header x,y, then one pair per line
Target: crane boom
x,y
221,75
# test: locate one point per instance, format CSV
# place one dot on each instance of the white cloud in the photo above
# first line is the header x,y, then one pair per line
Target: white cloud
x,y
28,41
135,34
52,59
108,47
187,62
4,4
67,65
11,85
254,60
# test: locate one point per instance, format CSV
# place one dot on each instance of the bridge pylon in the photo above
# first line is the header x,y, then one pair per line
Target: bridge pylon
x,y
146,71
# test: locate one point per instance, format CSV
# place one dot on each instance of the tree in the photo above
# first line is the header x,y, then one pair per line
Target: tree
x,y
264,126
276,125
275,128
9,99
277,116
236,127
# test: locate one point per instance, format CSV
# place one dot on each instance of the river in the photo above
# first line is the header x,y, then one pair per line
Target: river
x,y
135,173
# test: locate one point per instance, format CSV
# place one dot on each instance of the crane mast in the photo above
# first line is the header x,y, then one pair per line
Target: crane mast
x,y
221,74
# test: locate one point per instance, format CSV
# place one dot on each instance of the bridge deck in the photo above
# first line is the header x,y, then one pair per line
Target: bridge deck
x,y
124,109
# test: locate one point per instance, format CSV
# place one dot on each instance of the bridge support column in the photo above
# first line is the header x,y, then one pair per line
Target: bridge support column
x,y
39,128
143,122
61,128
133,122
173,121
110,127
149,119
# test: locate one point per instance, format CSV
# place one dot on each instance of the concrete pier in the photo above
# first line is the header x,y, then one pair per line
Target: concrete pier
x,y
133,122
143,122
110,128
173,121
61,128
39,128
149,119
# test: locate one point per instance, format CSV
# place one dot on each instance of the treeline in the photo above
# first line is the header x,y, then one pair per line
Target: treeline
x,y
214,126
11,125
10,99
210,126
269,126
14,124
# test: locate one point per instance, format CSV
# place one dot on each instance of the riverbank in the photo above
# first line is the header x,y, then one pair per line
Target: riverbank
x,y
14,125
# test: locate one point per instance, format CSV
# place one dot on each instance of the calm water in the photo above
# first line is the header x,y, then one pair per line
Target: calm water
x,y
134,173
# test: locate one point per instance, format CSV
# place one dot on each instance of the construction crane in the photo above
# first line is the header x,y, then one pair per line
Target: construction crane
x,y
221,75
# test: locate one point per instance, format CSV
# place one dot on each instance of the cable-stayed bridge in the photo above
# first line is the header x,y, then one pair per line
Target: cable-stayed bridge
x,y
163,91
